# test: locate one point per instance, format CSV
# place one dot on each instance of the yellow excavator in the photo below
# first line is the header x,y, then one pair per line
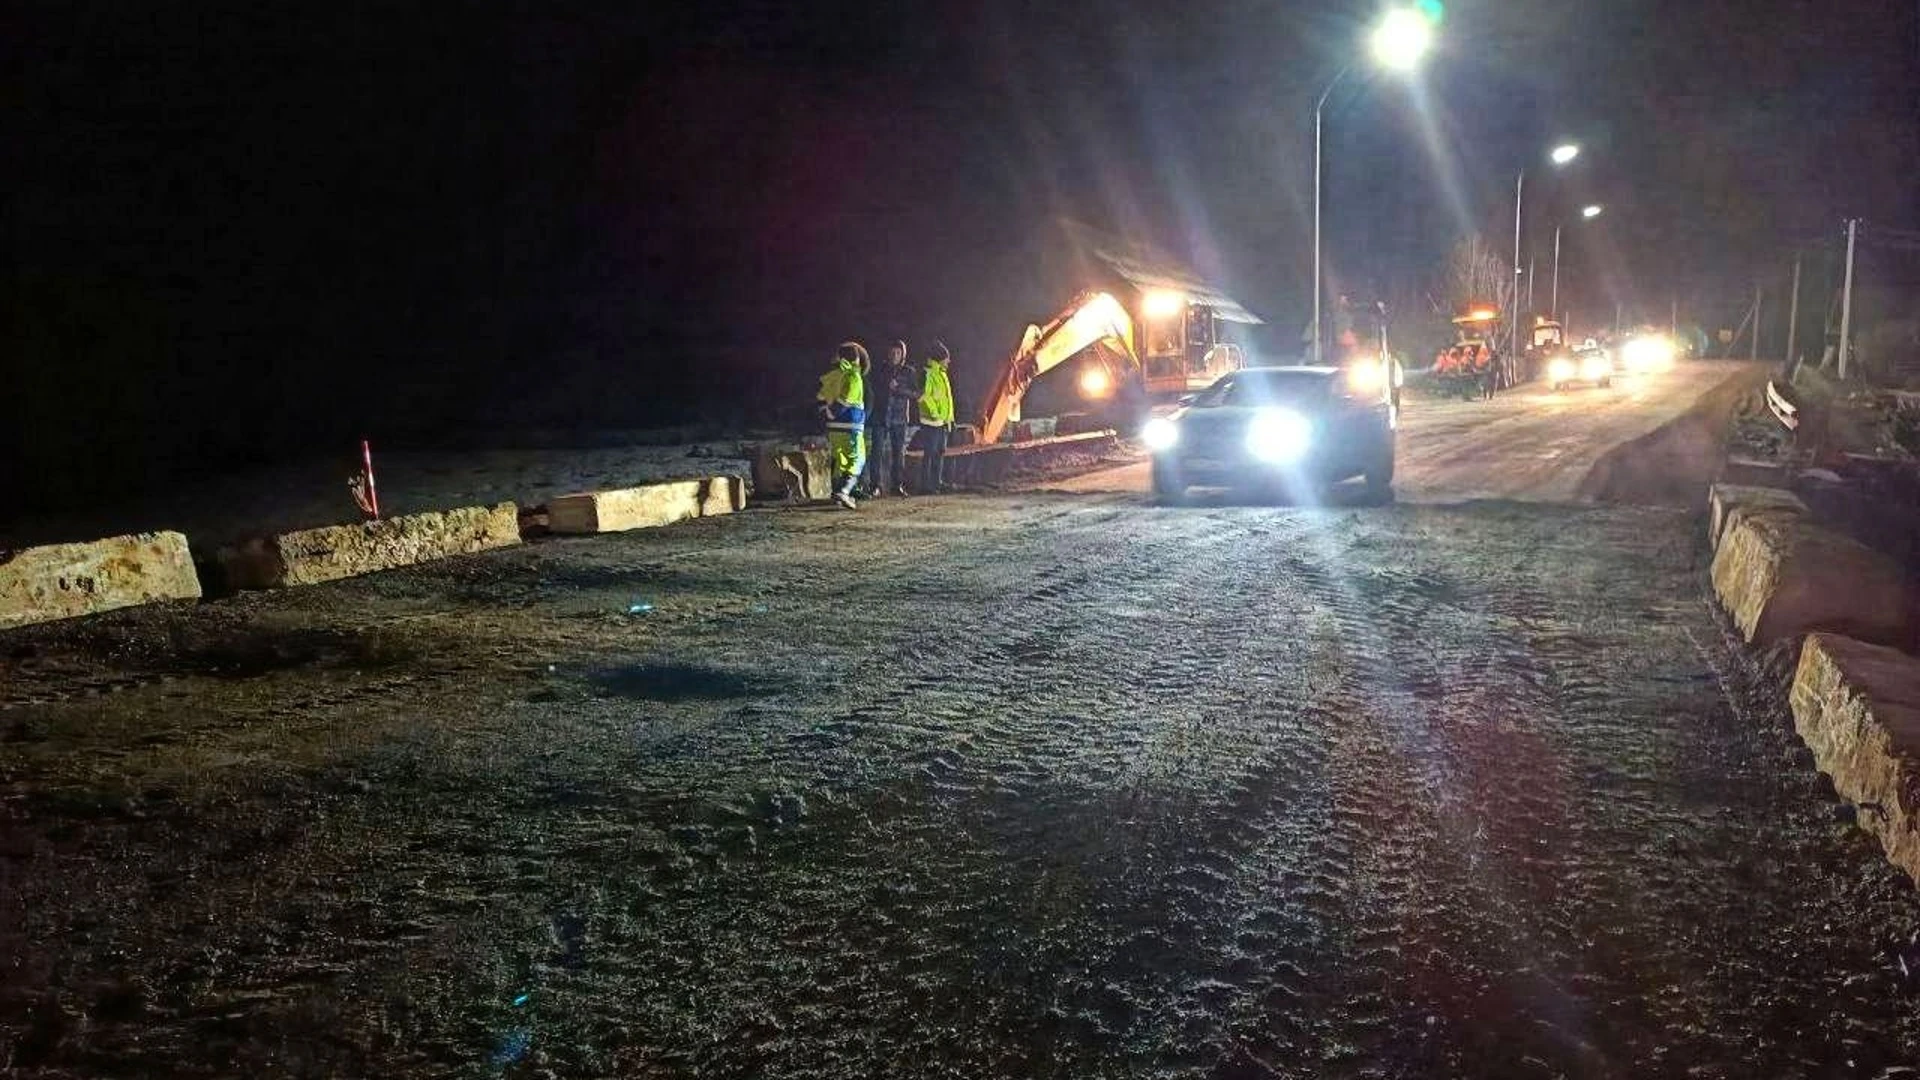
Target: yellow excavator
x,y
1171,349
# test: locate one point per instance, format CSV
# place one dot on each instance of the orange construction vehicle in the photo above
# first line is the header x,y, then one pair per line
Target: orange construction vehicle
x,y
1150,330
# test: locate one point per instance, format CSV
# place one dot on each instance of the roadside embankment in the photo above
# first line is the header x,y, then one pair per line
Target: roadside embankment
x,y
1673,464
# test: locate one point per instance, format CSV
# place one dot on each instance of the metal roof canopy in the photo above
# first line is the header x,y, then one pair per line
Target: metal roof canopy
x,y
1146,267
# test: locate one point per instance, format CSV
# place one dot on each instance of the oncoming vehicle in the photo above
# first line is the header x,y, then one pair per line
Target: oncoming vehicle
x,y
1649,353
1590,363
1270,428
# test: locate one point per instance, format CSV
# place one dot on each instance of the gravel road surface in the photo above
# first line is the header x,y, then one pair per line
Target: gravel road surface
x,y
1033,784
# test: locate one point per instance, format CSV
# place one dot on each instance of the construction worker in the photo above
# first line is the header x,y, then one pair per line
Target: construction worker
x,y
892,392
843,396
936,418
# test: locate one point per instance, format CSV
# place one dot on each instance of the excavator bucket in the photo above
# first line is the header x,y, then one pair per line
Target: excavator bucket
x,y
1094,318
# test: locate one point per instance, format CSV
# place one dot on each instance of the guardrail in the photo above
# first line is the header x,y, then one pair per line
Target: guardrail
x,y
1783,410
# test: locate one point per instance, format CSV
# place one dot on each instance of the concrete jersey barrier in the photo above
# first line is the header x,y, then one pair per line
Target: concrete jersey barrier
x,y
647,506
1857,706
63,581
1780,577
1727,502
311,556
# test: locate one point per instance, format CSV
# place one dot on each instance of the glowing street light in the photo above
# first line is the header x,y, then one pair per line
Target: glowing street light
x,y
1401,39
1588,213
1561,156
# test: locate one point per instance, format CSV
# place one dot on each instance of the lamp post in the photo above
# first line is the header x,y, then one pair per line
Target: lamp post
x,y
1398,42
1561,156
1587,213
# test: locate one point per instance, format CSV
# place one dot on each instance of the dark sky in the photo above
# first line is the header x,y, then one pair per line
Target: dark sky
x,y
261,229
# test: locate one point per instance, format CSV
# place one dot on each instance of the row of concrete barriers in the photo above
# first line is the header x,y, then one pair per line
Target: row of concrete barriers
x,y
63,581
1856,689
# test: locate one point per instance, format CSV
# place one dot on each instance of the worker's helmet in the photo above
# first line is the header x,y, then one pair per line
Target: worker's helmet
x,y
938,350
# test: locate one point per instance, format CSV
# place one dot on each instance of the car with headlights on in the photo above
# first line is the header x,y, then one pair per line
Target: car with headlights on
x,y
1591,364
1280,428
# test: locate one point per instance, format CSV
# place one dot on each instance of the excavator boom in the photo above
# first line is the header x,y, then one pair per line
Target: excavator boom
x,y
1094,318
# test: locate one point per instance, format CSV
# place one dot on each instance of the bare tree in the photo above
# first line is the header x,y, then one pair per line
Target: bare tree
x,y
1476,274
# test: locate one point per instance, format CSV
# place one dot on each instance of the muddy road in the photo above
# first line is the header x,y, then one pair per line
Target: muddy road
x,y
1015,785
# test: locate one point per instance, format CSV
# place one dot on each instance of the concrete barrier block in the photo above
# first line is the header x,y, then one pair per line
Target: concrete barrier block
x,y
62,581
646,507
794,474
1044,427
1857,706
1724,501
1753,472
311,556
1780,577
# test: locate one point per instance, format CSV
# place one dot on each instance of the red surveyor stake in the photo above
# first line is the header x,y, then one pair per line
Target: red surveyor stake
x,y
366,465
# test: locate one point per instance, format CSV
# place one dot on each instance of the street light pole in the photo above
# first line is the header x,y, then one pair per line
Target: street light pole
x,y
1513,330
1319,108
1556,273
1399,40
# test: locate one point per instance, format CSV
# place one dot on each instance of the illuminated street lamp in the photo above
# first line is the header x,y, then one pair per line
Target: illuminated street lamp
x,y
1402,39
1587,213
1398,43
1561,156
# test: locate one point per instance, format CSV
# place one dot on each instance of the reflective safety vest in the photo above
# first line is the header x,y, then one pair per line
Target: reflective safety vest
x,y
844,392
936,398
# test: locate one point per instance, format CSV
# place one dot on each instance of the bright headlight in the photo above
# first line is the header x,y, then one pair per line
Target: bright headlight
x,y
1366,378
1595,366
1652,352
1095,382
1560,369
1160,433
1278,436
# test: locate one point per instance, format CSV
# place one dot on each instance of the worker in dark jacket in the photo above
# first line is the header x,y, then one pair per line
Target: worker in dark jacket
x,y
890,396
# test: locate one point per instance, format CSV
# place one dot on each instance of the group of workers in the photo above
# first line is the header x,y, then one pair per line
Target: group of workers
x,y
884,410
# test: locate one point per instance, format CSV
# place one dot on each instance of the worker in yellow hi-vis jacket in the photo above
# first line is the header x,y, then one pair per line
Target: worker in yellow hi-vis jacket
x,y
936,418
843,403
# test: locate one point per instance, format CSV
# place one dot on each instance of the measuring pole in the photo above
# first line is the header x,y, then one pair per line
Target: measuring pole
x,y
1793,313
1753,347
1846,298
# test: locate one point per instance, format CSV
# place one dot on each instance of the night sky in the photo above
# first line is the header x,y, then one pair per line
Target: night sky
x,y
254,231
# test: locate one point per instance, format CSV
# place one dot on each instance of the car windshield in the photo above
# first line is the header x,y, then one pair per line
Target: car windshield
x,y
1255,388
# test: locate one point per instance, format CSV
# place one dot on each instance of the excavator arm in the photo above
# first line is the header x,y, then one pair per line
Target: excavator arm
x,y
1093,319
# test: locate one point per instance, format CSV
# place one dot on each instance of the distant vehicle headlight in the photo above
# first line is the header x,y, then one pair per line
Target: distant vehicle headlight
x,y
1649,352
1595,366
1278,436
1560,369
1366,378
1160,433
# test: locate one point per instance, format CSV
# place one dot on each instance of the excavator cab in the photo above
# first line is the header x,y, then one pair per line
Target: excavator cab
x,y
1145,328
1184,343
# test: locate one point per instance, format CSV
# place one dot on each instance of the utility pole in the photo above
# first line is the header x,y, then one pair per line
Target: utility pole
x,y
1513,331
1793,313
1673,318
1531,261
1556,276
1753,347
1846,298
